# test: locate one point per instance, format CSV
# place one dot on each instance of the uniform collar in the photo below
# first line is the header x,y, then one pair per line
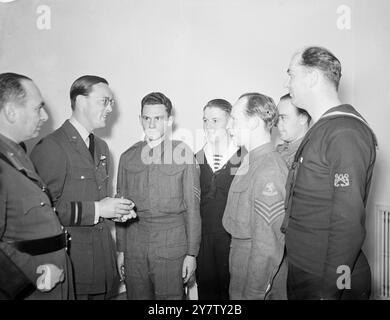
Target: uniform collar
x,y
260,151
343,108
348,111
290,145
80,128
17,156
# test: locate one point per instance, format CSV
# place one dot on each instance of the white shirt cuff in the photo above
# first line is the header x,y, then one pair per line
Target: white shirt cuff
x,y
97,212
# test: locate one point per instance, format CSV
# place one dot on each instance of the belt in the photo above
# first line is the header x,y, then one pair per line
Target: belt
x,y
42,246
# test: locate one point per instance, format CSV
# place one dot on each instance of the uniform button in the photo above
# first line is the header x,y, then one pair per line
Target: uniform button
x,y
42,204
100,228
43,189
100,187
82,177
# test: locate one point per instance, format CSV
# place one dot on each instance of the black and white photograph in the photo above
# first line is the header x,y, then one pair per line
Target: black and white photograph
x,y
217,151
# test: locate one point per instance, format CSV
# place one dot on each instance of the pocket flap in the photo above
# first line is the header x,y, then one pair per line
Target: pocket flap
x,y
171,169
34,201
135,168
82,173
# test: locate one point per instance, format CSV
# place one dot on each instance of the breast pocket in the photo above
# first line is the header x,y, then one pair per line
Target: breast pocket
x,y
241,200
83,180
35,202
170,180
136,183
170,187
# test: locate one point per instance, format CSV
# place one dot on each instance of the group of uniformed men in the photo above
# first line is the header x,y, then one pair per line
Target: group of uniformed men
x,y
295,212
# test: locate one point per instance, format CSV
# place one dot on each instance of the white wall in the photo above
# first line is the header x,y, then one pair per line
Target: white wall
x,y
194,51
372,96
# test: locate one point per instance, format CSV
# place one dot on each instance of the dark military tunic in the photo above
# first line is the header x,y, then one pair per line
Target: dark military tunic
x,y
163,182
326,197
26,213
253,216
76,181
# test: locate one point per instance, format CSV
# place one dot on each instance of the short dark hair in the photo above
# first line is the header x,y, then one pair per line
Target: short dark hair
x,y
324,60
262,106
157,98
83,86
222,104
300,111
11,87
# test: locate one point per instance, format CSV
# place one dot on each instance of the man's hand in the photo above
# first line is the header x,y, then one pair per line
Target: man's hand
x,y
51,275
121,264
126,217
189,266
115,207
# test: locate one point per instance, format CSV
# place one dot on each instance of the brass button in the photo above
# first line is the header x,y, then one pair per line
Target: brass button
x,y
42,204
82,177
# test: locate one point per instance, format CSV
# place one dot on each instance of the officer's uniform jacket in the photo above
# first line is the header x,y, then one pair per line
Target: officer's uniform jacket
x,y
287,150
75,182
163,182
327,192
26,213
254,212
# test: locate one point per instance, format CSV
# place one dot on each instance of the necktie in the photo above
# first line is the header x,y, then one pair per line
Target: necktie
x,y
91,144
23,145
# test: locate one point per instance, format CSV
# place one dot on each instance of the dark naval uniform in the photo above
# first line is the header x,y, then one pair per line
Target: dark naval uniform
x,y
166,193
76,181
212,272
30,232
287,150
327,193
253,216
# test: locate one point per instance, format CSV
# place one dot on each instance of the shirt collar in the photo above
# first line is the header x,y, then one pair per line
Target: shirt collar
x,y
261,150
80,128
11,145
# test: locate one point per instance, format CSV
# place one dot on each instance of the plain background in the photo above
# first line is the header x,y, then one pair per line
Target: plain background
x,y
195,51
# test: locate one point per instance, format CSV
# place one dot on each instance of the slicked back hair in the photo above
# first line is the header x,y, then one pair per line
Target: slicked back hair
x,y
154,98
261,106
11,87
83,86
300,111
222,104
323,60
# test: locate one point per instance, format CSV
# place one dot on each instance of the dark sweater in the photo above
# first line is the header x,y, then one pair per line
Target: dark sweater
x,y
214,191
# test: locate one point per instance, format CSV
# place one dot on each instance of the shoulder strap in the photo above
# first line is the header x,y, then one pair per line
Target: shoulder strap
x,y
6,160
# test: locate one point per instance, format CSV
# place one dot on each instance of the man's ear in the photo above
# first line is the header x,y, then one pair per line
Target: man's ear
x,y
81,101
10,112
314,77
170,121
302,119
253,123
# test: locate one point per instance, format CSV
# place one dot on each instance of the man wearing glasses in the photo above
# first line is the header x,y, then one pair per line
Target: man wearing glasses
x,y
74,164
